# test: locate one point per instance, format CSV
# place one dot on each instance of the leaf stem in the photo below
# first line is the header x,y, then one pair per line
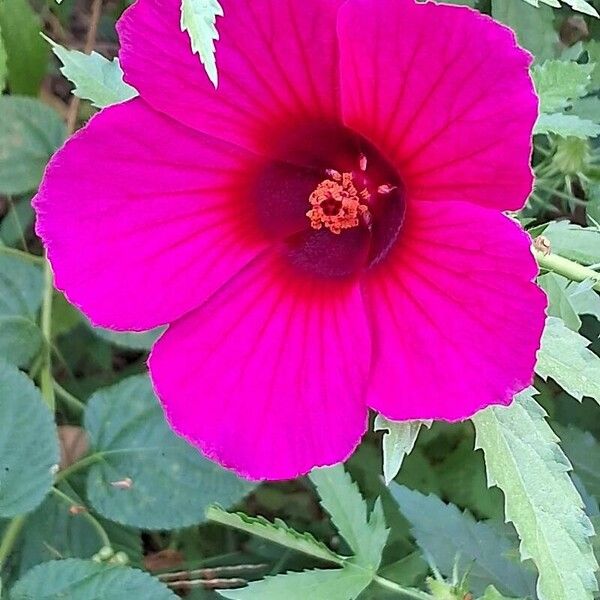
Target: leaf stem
x,y
567,268
46,378
86,515
38,260
11,534
76,404
78,466
407,592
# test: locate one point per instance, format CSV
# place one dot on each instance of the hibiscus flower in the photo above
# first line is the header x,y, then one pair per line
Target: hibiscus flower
x,y
323,233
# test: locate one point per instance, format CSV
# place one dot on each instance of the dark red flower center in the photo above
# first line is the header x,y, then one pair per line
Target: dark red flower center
x,y
334,199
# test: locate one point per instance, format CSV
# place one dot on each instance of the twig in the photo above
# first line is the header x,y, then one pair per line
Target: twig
x,y
211,573
90,42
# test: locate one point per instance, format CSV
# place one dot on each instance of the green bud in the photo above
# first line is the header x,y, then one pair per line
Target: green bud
x,y
120,558
572,155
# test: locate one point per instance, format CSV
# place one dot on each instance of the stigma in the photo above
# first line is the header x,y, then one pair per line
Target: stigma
x,y
338,204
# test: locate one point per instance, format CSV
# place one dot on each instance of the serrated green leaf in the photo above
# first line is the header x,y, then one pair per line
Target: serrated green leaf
x,y
557,82
491,593
578,5
559,300
341,498
78,579
566,126
524,459
28,444
198,18
584,298
334,584
564,357
27,55
95,78
30,132
21,287
3,66
534,27
20,340
277,532
172,484
581,244
398,442
452,538
583,450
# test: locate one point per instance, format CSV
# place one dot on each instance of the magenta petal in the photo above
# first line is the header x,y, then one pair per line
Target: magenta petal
x,y
456,319
277,61
455,112
268,378
143,218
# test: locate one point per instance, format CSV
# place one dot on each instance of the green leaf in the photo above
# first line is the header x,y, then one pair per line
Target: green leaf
x,y
560,303
565,358
3,67
524,459
30,132
52,531
341,498
452,538
592,48
334,584
78,579
28,444
584,298
534,27
583,450
27,55
198,18
20,340
95,78
491,593
16,222
131,339
277,532
566,126
558,81
579,5
581,244
398,442
21,287
171,483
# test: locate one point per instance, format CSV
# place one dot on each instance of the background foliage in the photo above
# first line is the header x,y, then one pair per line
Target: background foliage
x,y
98,499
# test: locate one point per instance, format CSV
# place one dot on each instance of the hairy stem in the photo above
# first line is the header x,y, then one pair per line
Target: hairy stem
x,y
11,534
567,268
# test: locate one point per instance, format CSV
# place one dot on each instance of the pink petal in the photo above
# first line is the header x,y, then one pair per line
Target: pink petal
x,y
456,320
455,112
143,218
268,377
277,62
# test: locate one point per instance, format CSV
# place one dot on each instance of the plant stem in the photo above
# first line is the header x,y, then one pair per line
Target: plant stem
x,y
78,466
46,378
407,592
38,260
567,268
11,534
76,404
87,516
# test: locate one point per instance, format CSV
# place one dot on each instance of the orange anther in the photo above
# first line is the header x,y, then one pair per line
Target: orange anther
x,y
336,204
